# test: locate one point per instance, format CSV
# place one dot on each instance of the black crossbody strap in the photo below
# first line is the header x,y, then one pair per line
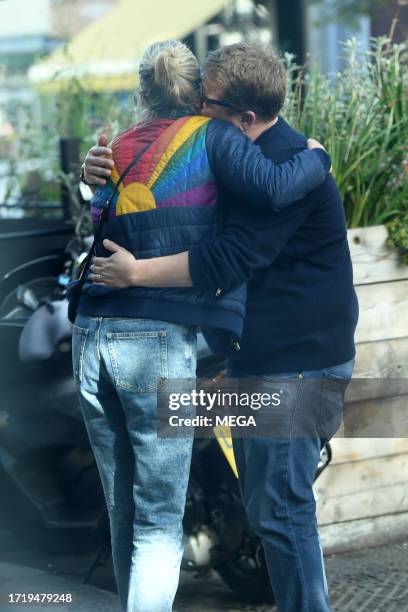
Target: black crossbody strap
x,y
104,215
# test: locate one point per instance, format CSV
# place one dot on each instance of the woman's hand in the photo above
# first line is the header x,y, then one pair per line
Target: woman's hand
x,y
312,143
114,271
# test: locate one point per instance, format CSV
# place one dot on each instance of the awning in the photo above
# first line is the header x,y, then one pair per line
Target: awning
x,y
105,54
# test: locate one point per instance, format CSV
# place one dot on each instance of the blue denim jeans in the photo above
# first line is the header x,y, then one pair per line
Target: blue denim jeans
x,y
118,364
276,477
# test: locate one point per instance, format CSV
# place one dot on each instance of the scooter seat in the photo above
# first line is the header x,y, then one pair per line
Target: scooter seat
x,y
44,330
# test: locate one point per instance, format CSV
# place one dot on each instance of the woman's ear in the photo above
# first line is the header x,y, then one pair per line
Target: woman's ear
x,y
247,120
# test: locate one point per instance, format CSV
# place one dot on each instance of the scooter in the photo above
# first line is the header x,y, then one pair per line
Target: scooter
x,y
51,491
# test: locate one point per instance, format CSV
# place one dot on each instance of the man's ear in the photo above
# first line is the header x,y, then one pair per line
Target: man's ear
x,y
247,120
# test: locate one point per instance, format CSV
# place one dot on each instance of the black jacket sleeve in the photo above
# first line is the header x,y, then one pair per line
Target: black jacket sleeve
x,y
240,166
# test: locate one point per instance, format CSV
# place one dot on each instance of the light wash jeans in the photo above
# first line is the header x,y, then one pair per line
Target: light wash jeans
x,y
276,477
118,364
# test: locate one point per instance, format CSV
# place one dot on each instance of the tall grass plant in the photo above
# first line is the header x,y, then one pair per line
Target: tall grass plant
x,y
360,115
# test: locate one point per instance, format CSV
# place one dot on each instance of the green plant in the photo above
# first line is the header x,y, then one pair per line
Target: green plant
x,y
71,103
74,111
78,112
360,115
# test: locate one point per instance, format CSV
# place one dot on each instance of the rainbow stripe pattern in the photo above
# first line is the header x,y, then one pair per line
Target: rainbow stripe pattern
x,y
174,171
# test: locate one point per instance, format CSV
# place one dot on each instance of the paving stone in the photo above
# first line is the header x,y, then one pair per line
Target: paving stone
x,y
85,598
369,580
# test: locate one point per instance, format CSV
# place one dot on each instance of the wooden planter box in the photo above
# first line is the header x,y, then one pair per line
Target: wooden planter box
x,y
363,495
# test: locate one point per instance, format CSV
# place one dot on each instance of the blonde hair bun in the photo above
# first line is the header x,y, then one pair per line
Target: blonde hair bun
x,y
169,75
167,69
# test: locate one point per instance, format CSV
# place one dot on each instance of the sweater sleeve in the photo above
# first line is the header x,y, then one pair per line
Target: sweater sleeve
x,y
242,246
240,166
249,241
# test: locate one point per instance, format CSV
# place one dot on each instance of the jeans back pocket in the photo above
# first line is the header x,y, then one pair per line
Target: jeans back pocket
x,y
139,359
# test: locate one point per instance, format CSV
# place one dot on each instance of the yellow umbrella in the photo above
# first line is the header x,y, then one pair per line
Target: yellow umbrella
x,y
105,54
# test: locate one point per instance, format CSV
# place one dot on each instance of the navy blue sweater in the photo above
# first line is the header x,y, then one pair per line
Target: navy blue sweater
x,y
302,309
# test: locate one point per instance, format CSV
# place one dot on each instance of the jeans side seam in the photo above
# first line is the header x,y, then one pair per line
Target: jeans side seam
x,y
115,369
164,355
298,557
79,370
97,339
319,427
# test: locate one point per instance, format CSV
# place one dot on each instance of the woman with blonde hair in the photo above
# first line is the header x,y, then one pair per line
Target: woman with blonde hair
x,y
166,178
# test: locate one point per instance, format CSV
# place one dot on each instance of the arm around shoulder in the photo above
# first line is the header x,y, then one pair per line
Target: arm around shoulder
x,y
240,166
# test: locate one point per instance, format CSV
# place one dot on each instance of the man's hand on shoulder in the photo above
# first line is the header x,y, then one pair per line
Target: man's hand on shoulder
x,y
98,165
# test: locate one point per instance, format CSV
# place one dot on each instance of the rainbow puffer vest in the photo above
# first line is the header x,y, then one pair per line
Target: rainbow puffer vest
x,y
167,203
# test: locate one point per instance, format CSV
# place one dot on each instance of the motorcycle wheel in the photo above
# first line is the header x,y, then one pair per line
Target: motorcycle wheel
x,y
239,557
246,574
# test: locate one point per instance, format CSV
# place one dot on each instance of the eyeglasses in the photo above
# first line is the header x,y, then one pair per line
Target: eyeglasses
x,y
223,103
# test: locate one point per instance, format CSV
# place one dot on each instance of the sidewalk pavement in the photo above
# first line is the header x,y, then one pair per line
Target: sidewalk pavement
x,y
16,579
369,580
